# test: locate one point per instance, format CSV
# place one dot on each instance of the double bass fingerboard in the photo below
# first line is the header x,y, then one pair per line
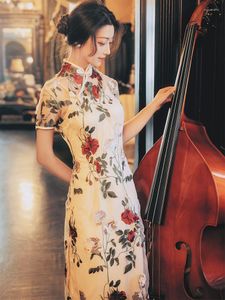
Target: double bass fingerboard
x,y
156,201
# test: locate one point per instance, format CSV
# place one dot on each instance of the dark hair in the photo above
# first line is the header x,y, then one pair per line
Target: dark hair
x,y
85,20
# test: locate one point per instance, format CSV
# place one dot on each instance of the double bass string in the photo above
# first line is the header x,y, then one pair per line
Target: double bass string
x,y
154,194
161,156
151,209
174,125
169,141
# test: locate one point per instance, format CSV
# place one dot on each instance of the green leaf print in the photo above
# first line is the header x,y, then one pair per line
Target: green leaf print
x,y
112,262
111,194
73,114
50,123
117,283
128,257
107,186
58,88
94,270
119,232
64,103
101,117
91,130
78,191
122,239
113,242
123,203
128,268
54,92
117,171
104,155
52,103
128,178
111,283
126,244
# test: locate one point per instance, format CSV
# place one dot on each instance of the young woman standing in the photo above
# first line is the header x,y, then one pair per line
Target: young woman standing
x,y
104,239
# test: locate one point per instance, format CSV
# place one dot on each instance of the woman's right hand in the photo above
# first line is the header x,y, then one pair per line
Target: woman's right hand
x,y
163,96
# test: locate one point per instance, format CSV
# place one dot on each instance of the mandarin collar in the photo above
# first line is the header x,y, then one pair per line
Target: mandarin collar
x,y
77,69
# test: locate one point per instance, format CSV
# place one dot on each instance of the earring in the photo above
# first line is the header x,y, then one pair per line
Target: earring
x,y
77,45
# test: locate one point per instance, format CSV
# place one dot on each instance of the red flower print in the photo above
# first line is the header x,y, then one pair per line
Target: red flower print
x,y
128,217
96,75
65,68
78,78
136,218
97,166
95,91
90,146
123,294
131,235
116,295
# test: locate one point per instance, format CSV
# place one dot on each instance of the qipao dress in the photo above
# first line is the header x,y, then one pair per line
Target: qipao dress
x,y
104,238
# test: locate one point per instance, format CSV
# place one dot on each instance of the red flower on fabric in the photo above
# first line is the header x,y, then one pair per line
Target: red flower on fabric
x,y
131,235
78,78
97,166
136,218
95,91
90,146
65,68
123,294
116,295
96,75
128,217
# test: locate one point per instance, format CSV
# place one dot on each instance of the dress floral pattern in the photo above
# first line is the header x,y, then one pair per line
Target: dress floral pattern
x,y
103,239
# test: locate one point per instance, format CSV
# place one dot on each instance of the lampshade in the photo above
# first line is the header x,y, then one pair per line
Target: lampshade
x,y
17,65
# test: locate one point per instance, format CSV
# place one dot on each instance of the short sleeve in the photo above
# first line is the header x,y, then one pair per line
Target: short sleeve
x,y
47,109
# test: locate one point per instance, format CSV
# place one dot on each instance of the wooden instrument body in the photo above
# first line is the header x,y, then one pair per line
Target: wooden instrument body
x,y
188,257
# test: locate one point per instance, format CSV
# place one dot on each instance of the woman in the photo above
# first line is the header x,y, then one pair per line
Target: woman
x,y
104,241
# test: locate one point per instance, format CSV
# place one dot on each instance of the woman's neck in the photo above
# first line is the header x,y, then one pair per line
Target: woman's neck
x,y
75,58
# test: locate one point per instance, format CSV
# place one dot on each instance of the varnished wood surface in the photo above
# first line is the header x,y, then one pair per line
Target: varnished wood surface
x,y
31,223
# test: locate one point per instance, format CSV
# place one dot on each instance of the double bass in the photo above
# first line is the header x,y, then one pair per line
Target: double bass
x,y
181,186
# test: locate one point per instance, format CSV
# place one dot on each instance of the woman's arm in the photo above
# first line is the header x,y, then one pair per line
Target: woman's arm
x,y
46,156
134,126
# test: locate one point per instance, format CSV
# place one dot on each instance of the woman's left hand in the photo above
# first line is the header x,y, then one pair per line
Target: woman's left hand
x,y
163,96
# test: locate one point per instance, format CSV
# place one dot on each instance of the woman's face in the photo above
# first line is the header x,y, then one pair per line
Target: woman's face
x,y
104,39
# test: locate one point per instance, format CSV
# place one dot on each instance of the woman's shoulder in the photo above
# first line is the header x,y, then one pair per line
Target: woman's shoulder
x,y
108,80
104,76
55,83
57,87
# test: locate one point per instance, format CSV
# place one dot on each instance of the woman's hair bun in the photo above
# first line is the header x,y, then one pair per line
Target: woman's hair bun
x,y
63,25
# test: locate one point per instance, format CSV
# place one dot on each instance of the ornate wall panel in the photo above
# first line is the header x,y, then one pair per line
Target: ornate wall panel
x,y
24,20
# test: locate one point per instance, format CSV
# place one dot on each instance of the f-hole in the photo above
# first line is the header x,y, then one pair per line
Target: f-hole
x,y
198,292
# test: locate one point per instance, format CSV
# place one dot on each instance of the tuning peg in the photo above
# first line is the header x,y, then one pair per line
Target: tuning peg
x,y
202,31
218,3
207,19
212,11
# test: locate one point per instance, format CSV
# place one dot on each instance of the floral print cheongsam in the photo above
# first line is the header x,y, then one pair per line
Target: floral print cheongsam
x,y
103,239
